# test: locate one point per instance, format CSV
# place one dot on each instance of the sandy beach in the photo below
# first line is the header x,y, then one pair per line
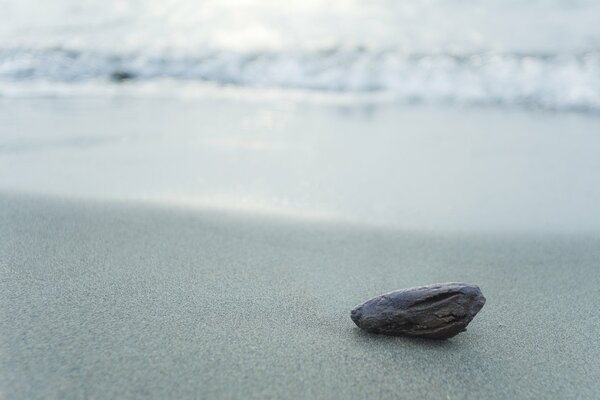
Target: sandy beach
x,y
194,195
115,300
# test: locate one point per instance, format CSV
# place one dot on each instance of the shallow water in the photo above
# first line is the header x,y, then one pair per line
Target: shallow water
x,y
404,167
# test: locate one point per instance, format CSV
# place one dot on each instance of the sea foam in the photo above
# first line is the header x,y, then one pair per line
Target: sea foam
x,y
500,52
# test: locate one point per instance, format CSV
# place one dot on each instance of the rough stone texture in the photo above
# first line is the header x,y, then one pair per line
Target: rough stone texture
x,y
438,311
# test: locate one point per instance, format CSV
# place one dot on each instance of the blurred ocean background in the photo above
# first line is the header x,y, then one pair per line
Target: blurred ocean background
x,y
535,54
421,114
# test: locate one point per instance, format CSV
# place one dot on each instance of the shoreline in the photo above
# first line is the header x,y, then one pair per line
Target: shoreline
x,y
415,168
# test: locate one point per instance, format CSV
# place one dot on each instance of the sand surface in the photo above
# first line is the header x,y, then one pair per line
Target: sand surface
x,y
106,300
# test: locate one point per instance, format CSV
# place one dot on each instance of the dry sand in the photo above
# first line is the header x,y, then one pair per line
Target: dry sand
x,y
106,300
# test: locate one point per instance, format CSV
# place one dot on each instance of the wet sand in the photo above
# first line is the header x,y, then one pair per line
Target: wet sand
x,y
116,300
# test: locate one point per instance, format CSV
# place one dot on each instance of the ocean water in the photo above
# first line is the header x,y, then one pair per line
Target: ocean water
x,y
422,114
534,54
418,167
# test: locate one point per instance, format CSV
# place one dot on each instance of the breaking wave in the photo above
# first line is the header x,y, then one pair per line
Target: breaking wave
x,y
560,82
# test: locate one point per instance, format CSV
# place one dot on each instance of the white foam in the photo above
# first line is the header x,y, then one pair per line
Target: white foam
x,y
539,54
552,82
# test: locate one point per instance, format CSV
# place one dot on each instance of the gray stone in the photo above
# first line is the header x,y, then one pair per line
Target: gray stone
x,y
438,311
